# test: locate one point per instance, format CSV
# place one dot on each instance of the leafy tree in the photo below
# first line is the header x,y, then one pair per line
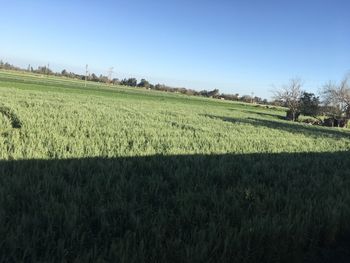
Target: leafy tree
x,y
124,82
257,99
144,83
203,93
246,98
115,81
7,65
103,79
44,70
214,93
132,82
64,73
94,77
233,97
309,104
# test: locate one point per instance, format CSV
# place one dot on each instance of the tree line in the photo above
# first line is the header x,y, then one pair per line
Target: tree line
x,y
331,107
143,83
332,102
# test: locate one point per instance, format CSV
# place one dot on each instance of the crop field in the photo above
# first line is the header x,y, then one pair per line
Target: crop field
x,y
115,174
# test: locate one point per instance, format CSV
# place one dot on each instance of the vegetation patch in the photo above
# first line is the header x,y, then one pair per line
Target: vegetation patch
x,y
105,175
8,113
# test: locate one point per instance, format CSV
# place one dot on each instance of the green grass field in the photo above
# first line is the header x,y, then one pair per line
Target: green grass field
x,y
117,174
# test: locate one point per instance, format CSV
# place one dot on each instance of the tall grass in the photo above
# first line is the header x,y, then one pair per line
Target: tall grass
x,y
118,175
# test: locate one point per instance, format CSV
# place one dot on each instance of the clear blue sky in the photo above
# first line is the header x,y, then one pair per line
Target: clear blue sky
x,y
237,46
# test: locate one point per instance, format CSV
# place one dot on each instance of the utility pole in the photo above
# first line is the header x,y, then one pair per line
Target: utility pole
x,y
252,97
110,72
86,73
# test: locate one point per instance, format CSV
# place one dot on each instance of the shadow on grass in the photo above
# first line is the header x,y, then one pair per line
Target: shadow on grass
x,y
194,208
265,114
288,126
8,113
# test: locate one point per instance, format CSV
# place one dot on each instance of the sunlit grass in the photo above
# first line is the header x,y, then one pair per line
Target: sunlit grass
x,y
61,124
115,174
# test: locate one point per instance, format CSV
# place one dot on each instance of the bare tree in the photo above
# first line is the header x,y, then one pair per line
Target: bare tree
x,y
338,96
290,95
